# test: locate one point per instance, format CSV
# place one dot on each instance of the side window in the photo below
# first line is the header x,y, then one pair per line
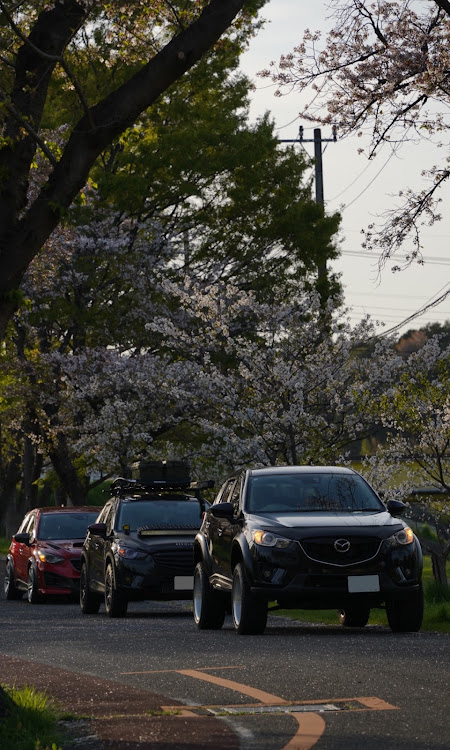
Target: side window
x,y
31,527
222,495
228,491
23,526
105,514
235,496
109,520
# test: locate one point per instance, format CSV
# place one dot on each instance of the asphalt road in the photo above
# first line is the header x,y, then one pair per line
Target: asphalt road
x,y
293,688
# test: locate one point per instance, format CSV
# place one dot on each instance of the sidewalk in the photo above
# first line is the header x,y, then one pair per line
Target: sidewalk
x,y
114,716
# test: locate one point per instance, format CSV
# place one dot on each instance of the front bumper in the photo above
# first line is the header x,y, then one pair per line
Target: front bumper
x,y
293,579
166,579
59,580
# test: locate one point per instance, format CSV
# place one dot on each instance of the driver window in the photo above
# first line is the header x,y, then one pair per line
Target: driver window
x,y
31,527
109,518
23,526
224,494
103,515
235,495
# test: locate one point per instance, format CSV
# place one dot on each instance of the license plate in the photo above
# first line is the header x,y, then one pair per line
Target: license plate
x,y
360,584
182,583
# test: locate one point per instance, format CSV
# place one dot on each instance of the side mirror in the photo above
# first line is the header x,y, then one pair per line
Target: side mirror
x,y
23,538
396,507
97,529
222,510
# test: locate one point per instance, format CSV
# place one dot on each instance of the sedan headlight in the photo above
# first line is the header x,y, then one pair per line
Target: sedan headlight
x,y
267,539
131,554
405,536
49,557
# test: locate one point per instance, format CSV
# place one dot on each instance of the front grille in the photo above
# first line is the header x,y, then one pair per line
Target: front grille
x,y
322,550
175,560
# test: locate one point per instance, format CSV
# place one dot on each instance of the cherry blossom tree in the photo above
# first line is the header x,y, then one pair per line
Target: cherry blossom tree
x,y
416,414
383,72
280,391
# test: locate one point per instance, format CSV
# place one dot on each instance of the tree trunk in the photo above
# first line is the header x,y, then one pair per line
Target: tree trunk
x,y
439,566
8,497
67,474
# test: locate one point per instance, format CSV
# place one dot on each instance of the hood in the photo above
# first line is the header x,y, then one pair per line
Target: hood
x,y
174,539
307,524
70,545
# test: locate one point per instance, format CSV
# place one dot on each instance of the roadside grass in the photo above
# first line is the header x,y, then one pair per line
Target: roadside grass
x,y
4,545
436,614
31,723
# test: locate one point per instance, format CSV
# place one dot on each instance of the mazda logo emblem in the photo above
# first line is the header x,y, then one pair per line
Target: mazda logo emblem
x,y
342,545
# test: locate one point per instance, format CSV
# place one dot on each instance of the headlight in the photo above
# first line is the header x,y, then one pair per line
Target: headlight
x,y
131,554
50,557
405,536
267,539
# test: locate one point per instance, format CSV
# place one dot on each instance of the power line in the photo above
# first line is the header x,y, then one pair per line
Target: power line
x,y
416,314
431,260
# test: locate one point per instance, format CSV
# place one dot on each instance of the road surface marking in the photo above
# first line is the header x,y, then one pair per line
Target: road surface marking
x,y
260,695
310,729
201,669
376,704
311,725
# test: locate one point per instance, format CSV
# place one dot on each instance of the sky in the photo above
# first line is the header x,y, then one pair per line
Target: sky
x,y
358,189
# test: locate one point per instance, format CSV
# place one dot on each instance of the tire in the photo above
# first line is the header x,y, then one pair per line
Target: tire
x,y
33,595
10,589
116,603
354,616
209,605
405,615
249,613
89,602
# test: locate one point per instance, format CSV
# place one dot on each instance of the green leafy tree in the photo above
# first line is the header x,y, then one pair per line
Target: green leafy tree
x,y
142,46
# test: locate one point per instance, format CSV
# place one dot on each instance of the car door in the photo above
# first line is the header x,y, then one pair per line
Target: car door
x,y
215,527
231,527
98,544
22,552
227,528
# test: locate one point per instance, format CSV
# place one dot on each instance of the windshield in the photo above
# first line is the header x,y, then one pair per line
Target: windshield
x,y
302,493
160,514
65,525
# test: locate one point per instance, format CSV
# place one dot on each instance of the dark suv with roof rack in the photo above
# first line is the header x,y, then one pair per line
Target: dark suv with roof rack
x,y
306,537
141,544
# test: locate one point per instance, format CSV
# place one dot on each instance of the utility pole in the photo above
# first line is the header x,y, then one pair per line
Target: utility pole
x,y
317,140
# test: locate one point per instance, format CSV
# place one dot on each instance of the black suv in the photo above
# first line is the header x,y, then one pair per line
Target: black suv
x,y
141,544
305,537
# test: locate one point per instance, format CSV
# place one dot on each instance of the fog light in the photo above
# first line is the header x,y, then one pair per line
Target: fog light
x,y
267,574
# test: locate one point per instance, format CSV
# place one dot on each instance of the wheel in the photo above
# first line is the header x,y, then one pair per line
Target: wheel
x,y
11,591
405,615
209,605
89,602
249,613
116,602
354,616
33,595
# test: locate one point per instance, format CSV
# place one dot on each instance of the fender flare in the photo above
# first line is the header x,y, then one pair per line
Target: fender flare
x,y
240,552
202,553
109,560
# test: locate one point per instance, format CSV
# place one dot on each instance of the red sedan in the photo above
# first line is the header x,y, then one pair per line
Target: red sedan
x,y
44,556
